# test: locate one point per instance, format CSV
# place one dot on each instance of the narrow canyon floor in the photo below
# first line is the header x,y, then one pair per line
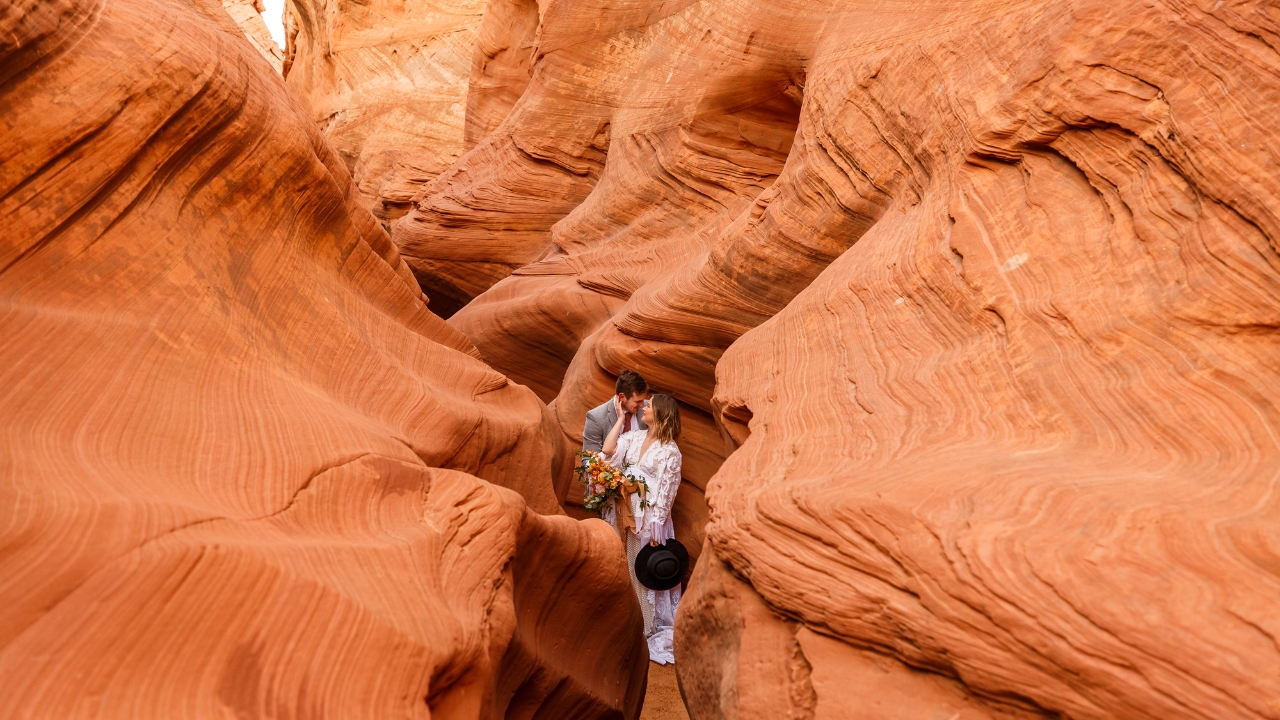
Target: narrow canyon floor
x,y
662,699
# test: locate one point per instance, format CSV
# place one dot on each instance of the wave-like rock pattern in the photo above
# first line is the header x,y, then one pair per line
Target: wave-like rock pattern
x,y
1026,417
386,81
983,298
246,472
679,171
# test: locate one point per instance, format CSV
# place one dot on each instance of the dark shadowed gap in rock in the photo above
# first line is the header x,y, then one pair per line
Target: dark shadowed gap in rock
x,y
735,422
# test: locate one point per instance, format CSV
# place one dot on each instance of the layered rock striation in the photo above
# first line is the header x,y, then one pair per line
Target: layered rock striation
x,y
248,15
980,300
246,471
1051,466
386,81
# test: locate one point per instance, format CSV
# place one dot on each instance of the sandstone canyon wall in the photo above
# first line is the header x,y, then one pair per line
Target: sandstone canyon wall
x,y
980,300
245,472
386,81
248,15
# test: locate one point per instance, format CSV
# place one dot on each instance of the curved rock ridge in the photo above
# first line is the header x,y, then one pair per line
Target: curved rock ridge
x,y
1002,437
387,83
246,471
681,168
1022,434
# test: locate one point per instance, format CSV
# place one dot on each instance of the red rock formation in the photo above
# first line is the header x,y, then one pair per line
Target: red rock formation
x,y
679,173
248,15
246,472
1004,441
1055,459
501,64
387,83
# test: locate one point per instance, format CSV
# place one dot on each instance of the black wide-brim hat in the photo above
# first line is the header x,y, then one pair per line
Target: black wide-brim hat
x,y
661,567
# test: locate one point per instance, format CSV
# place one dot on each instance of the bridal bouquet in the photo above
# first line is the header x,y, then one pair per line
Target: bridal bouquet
x,y
607,484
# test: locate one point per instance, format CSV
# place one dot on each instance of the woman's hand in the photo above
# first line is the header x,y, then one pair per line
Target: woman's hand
x,y
653,543
611,440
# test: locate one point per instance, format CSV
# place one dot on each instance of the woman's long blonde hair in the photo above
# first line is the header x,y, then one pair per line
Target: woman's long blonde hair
x,y
666,418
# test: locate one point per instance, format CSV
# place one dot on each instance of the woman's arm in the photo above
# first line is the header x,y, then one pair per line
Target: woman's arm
x,y
611,440
668,482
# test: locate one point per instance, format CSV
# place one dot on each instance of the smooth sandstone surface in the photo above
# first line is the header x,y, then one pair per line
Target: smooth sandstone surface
x,y
386,81
246,472
981,302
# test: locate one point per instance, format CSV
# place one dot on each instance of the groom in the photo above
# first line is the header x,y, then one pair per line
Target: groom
x,y
631,391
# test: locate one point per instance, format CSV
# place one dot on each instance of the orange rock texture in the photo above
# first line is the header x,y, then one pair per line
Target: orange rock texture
x,y
981,301
386,81
245,472
248,15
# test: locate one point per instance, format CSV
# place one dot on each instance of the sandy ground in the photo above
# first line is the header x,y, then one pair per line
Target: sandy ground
x,y
662,699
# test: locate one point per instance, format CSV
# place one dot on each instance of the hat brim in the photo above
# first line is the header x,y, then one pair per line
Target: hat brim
x,y
651,555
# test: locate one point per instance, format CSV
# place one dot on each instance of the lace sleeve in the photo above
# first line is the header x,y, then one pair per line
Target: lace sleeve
x,y
625,441
616,459
667,482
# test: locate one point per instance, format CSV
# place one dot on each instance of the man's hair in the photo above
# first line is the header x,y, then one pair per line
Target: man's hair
x,y
666,418
630,383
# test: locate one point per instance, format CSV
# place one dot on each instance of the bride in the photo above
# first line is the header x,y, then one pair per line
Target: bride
x,y
651,454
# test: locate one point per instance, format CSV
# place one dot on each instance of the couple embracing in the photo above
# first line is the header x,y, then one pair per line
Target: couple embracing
x,y
637,432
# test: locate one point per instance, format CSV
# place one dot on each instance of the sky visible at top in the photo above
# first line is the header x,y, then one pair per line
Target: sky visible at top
x,y
274,17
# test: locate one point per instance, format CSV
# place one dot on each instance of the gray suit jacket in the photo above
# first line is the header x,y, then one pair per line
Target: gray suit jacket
x,y
600,421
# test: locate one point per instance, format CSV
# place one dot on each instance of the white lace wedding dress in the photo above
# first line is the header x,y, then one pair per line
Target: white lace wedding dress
x,y
660,468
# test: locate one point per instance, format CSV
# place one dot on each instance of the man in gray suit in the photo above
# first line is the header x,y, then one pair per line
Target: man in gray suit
x,y
631,391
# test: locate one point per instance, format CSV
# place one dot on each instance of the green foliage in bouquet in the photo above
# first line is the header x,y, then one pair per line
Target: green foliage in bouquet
x,y
605,483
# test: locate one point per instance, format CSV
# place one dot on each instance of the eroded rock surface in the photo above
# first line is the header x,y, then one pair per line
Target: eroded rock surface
x,y
246,472
248,15
984,300
387,83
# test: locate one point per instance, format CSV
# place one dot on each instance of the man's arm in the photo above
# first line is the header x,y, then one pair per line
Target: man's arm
x,y
592,434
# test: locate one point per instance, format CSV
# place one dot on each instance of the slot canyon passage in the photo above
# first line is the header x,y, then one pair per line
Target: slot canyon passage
x,y
971,307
